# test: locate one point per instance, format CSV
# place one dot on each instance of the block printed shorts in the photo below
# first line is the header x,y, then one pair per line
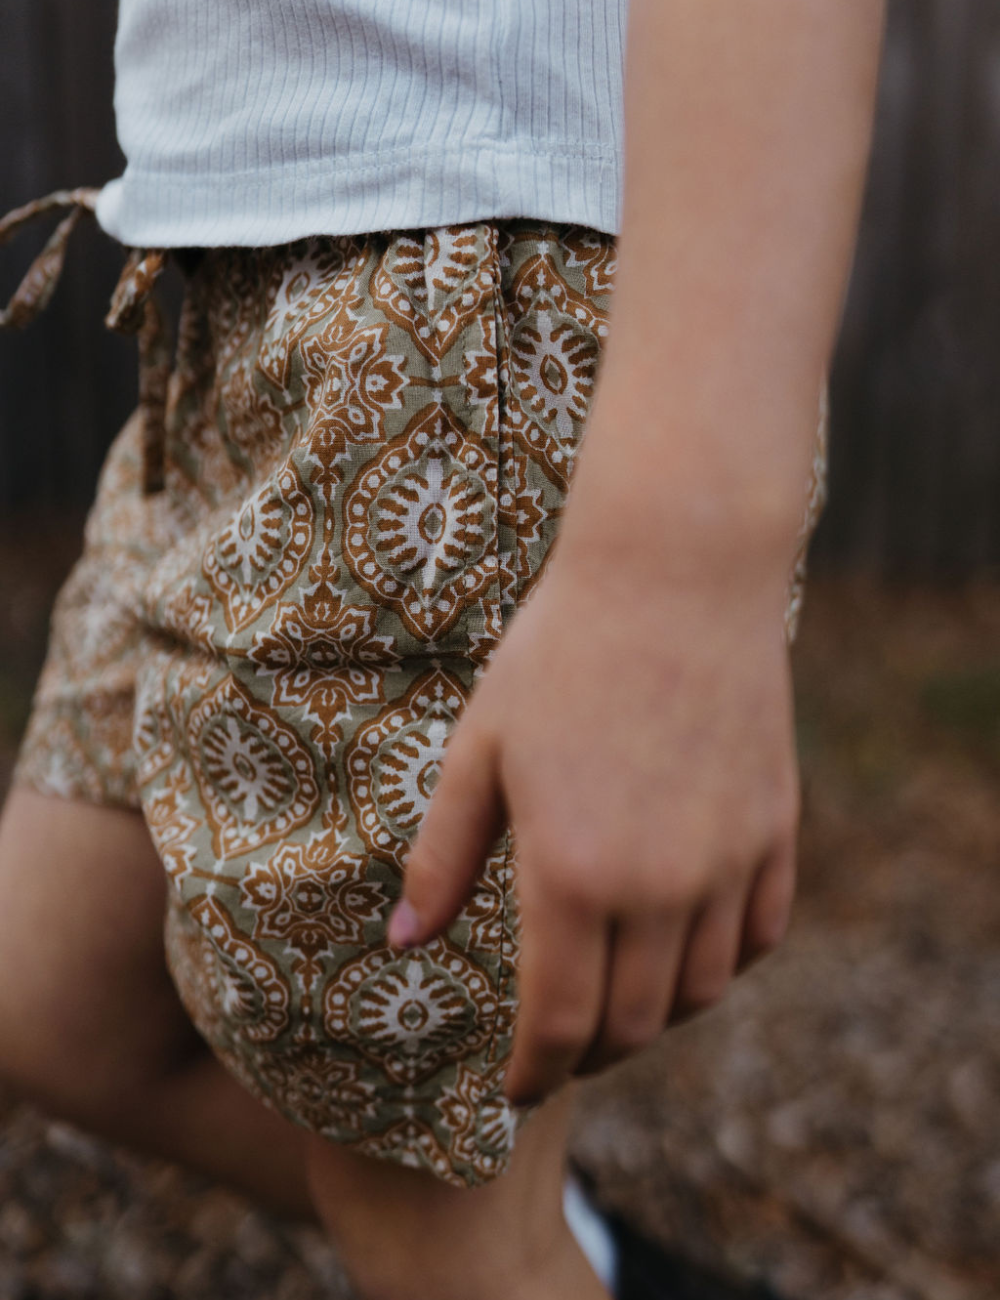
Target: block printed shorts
x,y
293,575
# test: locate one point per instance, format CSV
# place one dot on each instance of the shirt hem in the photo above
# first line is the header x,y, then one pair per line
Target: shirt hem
x,y
419,190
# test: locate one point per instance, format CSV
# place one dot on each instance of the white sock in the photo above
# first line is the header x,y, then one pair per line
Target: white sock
x,y
592,1233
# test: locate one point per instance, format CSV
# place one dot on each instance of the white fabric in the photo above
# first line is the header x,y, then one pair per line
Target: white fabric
x,y
247,122
592,1233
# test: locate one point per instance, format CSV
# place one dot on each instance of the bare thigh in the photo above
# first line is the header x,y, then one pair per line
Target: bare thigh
x,y
85,996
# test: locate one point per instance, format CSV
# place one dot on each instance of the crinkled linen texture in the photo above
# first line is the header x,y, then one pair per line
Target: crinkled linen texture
x,y
368,444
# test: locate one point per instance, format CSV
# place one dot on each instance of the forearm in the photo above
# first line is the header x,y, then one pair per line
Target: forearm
x,y
747,132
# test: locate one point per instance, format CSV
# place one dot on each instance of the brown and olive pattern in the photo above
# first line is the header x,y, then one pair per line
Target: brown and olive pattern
x,y
367,445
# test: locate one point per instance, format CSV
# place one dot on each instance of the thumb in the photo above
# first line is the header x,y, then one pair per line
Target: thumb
x,y
464,817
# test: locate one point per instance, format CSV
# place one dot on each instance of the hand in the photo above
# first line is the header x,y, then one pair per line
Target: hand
x,y
640,739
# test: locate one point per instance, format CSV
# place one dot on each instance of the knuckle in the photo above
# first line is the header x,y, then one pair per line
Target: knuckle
x,y
731,873
654,890
678,890
702,992
738,870
584,882
699,1000
766,934
601,1058
574,848
557,1038
562,1027
630,1035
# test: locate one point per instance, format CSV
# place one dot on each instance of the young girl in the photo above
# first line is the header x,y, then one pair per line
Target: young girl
x,y
398,771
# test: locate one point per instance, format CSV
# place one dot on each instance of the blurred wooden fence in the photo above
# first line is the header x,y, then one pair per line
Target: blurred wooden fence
x,y
66,383
915,465
915,452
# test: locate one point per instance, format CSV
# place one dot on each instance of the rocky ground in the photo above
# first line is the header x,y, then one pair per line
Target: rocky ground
x,y
833,1126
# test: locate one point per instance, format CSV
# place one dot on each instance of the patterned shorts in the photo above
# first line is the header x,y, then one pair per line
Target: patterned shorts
x,y
297,566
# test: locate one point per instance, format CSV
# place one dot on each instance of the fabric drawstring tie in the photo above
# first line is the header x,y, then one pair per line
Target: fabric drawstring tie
x,y
33,293
134,309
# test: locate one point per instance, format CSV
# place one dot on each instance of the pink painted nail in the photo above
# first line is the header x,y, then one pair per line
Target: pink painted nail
x,y
404,926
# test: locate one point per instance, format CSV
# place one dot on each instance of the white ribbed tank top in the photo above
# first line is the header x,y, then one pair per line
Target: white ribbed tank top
x,y
260,121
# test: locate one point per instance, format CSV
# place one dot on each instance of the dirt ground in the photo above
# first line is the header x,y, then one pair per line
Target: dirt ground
x,y
833,1126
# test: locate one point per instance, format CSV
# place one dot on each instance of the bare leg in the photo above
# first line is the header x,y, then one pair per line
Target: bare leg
x,y
91,1028
403,1233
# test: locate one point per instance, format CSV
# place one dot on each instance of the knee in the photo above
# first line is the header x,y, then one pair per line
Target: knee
x,y
82,1069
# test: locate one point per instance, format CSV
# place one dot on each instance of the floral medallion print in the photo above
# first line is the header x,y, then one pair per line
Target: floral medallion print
x,y
193,963
311,279
172,826
256,777
262,550
352,383
411,1013
313,898
174,601
595,255
414,1143
420,524
556,342
486,909
124,524
99,620
484,639
153,735
324,655
480,1122
253,428
523,512
481,362
228,293
59,763
318,1090
367,446
434,286
393,762
243,984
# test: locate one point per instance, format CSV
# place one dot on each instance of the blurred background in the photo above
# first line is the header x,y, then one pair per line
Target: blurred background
x,y
834,1125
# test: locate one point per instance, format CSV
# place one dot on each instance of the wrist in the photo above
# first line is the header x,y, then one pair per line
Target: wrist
x,y
643,498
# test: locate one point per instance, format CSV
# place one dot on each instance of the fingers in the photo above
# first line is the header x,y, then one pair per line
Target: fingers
x,y
639,975
463,819
562,974
646,954
710,956
770,905
734,930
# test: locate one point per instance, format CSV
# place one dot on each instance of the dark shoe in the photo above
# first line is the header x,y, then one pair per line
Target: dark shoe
x,y
649,1271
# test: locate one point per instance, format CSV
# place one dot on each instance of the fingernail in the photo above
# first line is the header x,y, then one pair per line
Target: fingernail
x,y
404,926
